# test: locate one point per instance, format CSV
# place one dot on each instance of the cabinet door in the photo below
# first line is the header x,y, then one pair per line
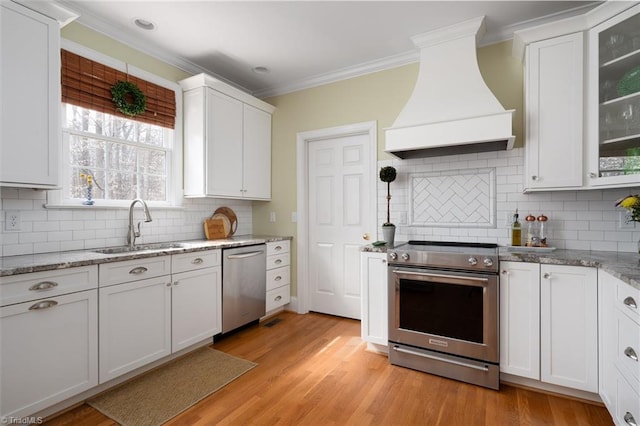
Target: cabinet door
x,y
613,104
374,322
607,285
224,145
257,154
135,325
569,326
520,319
49,351
554,99
30,101
196,309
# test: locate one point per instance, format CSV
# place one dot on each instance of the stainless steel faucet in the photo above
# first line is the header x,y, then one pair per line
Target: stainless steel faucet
x,y
133,234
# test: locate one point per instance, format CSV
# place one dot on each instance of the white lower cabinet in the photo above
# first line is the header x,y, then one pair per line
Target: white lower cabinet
x,y
520,319
619,318
48,345
568,324
196,306
278,274
135,325
374,323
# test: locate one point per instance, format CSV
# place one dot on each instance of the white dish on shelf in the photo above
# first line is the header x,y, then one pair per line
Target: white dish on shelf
x,y
531,249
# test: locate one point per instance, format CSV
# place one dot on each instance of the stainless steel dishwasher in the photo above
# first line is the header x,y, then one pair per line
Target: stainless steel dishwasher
x,y
244,285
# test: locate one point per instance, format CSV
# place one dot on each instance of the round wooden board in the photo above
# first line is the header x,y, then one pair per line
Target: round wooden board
x,y
231,215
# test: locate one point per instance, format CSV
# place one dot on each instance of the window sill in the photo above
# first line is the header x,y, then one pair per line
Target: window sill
x,y
105,207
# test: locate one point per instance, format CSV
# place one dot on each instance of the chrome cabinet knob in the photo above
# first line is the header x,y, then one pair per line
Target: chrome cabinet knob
x,y
473,261
630,302
593,175
547,275
405,256
487,262
534,177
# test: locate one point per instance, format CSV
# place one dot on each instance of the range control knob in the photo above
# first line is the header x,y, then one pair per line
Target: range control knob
x,y
488,261
405,256
473,261
393,256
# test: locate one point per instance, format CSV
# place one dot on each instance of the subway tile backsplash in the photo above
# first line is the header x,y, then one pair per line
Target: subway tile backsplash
x,y
45,230
584,220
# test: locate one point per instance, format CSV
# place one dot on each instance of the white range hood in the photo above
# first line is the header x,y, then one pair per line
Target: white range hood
x,y
451,110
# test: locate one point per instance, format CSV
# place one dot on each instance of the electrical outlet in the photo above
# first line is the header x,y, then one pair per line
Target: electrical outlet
x,y
12,221
272,217
294,217
624,221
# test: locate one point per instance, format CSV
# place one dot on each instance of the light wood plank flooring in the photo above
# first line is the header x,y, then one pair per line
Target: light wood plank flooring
x,y
314,370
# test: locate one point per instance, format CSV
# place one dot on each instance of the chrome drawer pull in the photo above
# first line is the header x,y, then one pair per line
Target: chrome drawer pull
x,y
630,353
278,298
43,305
139,270
197,261
630,302
278,278
278,261
277,248
628,418
44,285
463,364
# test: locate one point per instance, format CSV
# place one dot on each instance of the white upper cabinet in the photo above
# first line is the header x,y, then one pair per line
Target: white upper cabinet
x,y
582,100
613,111
227,141
554,86
30,102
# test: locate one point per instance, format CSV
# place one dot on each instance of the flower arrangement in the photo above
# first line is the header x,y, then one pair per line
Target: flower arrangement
x,y
632,204
388,175
89,181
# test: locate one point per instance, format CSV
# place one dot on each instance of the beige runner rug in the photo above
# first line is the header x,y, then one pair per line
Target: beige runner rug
x,y
165,392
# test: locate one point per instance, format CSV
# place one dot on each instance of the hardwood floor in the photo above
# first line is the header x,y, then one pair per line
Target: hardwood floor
x,y
314,370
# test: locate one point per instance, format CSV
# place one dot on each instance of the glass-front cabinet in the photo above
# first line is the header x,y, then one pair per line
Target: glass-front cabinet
x,y
614,118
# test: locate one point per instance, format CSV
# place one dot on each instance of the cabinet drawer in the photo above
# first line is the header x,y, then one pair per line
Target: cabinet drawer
x,y
277,260
628,407
278,247
628,345
197,260
628,300
133,270
38,285
278,277
278,297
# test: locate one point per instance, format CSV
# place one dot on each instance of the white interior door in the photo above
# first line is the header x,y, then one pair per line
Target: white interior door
x,y
340,193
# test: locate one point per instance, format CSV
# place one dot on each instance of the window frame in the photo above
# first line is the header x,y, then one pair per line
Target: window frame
x,y
58,198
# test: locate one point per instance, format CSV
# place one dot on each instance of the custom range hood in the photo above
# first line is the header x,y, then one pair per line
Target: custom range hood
x,y
451,110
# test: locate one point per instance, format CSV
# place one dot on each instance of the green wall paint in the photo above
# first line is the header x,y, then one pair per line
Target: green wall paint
x,y
374,97
100,43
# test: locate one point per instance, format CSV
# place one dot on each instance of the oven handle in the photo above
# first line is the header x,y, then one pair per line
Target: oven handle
x,y
463,364
448,279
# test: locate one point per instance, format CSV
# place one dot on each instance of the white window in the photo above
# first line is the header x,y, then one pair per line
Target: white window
x,y
125,158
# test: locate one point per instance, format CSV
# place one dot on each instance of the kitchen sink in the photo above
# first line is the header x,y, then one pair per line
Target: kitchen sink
x,y
140,247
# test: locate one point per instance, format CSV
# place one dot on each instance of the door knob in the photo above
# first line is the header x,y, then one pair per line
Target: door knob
x,y
365,236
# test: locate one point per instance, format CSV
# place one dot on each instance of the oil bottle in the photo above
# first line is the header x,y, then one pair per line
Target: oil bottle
x,y
516,231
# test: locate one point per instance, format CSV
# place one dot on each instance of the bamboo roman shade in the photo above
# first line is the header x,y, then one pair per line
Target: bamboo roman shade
x,y
87,83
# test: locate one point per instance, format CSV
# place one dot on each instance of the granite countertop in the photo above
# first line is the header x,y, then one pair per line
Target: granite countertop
x,y
624,266
14,265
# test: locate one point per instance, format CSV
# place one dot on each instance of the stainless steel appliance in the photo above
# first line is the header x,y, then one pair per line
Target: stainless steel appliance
x,y
244,285
444,310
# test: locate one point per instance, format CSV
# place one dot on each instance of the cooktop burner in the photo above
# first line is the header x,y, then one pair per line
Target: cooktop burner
x,y
446,254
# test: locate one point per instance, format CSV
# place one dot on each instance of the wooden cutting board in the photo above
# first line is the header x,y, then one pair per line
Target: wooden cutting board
x,y
217,227
231,216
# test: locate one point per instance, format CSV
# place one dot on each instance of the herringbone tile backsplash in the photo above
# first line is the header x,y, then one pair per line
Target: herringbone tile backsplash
x,y
472,197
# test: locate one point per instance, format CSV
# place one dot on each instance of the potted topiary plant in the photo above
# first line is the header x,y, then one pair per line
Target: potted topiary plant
x,y
388,175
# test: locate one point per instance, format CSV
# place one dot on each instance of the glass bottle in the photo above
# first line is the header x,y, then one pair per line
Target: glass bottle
x,y
516,231
542,230
531,237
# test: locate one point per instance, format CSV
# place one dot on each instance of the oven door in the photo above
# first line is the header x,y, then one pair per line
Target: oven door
x,y
450,312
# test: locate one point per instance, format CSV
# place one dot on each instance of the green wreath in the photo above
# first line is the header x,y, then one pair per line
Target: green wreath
x,y
120,91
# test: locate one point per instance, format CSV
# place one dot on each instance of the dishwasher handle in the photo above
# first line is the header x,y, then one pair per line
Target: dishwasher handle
x,y
245,255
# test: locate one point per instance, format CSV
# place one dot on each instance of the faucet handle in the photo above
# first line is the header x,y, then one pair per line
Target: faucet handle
x,y
137,233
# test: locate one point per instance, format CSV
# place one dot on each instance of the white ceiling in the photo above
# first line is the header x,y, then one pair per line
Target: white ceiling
x,y
303,43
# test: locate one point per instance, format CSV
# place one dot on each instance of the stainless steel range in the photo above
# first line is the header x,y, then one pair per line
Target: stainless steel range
x,y
444,310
